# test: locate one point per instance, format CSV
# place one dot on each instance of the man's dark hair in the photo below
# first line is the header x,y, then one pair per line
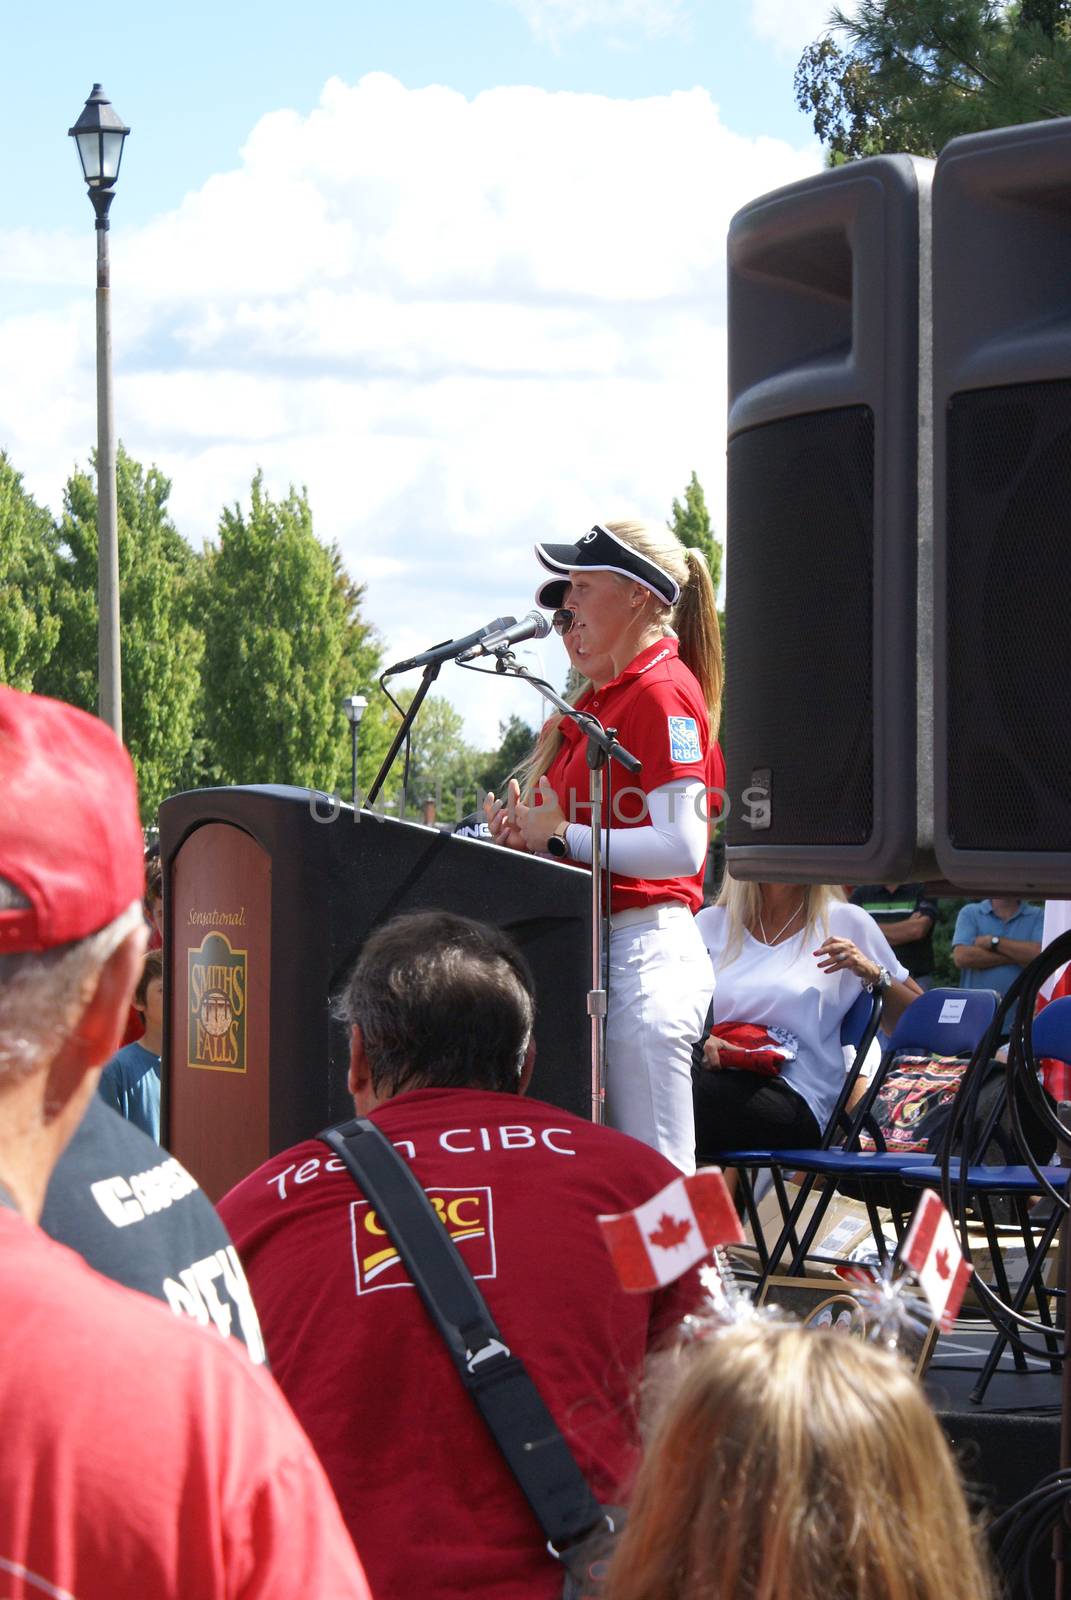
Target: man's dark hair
x,y
441,1002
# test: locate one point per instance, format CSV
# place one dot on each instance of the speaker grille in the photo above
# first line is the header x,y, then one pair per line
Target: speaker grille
x,y
1009,618
800,628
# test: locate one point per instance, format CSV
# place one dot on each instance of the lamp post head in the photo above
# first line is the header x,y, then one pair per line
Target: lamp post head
x,y
355,706
98,135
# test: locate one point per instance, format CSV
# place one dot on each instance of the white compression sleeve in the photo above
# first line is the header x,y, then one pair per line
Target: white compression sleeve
x,y
671,844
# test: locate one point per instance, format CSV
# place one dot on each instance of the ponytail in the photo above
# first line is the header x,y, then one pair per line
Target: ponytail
x,y
695,621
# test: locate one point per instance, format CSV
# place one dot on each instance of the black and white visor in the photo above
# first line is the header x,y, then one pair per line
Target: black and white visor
x,y
602,551
551,595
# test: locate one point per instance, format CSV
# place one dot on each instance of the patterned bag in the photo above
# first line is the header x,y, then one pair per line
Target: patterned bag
x,y
915,1103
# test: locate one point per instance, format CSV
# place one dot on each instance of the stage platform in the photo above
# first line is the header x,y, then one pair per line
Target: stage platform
x,y
1011,1441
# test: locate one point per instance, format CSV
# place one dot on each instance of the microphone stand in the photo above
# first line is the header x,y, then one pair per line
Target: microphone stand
x,y
431,672
431,660
602,747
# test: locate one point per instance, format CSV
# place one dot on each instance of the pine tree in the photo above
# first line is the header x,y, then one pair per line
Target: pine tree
x,y
916,73
160,638
284,643
29,626
691,523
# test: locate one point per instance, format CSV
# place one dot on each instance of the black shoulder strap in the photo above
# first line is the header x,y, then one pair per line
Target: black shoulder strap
x,y
497,1380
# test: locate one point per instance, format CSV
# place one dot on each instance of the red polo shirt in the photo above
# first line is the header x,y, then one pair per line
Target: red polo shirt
x,y
661,717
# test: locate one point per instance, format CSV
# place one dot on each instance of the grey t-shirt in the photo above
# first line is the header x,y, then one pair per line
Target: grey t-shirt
x,y
136,1215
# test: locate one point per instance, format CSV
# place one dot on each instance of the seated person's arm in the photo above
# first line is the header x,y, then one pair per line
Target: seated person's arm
x,y
1021,951
837,954
977,956
908,929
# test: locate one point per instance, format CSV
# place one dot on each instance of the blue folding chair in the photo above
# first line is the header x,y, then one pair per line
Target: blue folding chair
x,y
980,1186
857,1031
948,1022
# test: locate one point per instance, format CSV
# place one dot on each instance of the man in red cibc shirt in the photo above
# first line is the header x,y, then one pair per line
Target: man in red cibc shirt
x,y
142,1457
441,1018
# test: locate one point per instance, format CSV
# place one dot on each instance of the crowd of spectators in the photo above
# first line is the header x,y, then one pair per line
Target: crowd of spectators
x,y
148,1456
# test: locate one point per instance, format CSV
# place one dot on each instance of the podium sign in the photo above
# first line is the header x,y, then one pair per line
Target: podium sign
x,y
269,894
220,985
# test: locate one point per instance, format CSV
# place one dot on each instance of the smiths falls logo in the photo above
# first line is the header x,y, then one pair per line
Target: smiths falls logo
x,y
217,991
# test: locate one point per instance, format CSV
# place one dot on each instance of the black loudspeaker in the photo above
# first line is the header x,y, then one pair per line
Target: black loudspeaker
x,y
269,894
827,736
1002,520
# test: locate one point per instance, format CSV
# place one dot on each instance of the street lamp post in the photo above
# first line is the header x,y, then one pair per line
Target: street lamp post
x,y
98,136
355,706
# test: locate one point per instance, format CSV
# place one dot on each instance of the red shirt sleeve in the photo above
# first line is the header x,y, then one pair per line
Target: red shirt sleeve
x,y
669,730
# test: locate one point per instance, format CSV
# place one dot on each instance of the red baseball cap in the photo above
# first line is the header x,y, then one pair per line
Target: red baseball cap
x,y
70,836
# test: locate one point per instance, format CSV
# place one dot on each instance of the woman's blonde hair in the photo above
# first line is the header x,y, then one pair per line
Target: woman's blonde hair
x,y
743,903
694,619
534,765
797,1464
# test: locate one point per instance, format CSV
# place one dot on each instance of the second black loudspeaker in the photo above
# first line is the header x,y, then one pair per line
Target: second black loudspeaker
x,y
827,731
1002,529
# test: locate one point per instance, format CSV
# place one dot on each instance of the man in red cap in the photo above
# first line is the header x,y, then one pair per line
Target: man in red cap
x,y
141,1456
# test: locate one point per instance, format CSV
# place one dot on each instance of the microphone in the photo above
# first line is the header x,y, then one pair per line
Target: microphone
x,y
534,626
450,647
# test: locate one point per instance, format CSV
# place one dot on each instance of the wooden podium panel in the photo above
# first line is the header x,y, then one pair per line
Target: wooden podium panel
x,y
220,982
269,895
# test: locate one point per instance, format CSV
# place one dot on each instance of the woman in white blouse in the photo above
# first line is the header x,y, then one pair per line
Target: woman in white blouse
x,y
790,959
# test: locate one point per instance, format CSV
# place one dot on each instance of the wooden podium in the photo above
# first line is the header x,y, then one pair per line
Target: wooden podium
x,y
269,894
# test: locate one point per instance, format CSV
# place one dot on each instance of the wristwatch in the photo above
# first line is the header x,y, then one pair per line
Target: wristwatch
x,y
556,845
883,981
994,941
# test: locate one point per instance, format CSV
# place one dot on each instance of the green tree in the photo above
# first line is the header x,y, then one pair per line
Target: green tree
x,y
691,523
160,639
284,643
516,739
441,762
916,73
29,627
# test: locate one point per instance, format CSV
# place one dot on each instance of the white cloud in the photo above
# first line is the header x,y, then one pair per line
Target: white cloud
x,y
791,25
463,324
551,20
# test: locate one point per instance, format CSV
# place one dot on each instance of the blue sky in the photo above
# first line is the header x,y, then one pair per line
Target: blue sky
x,y
458,268
191,82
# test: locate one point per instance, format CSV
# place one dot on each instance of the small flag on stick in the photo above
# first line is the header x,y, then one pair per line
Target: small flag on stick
x,y
931,1249
669,1233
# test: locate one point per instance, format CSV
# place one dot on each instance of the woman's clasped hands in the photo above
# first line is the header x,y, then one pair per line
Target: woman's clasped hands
x,y
519,826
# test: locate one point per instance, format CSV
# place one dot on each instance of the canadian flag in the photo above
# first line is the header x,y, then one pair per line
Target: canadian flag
x,y
1056,1075
669,1233
931,1249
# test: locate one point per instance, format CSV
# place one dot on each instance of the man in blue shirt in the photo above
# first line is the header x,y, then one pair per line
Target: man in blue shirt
x,y
130,1083
993,940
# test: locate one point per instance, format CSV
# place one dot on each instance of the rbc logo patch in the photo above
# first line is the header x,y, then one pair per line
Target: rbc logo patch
x,y
684,740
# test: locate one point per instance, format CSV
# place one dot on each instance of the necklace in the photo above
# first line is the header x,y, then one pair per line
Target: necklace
x,y
765,938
